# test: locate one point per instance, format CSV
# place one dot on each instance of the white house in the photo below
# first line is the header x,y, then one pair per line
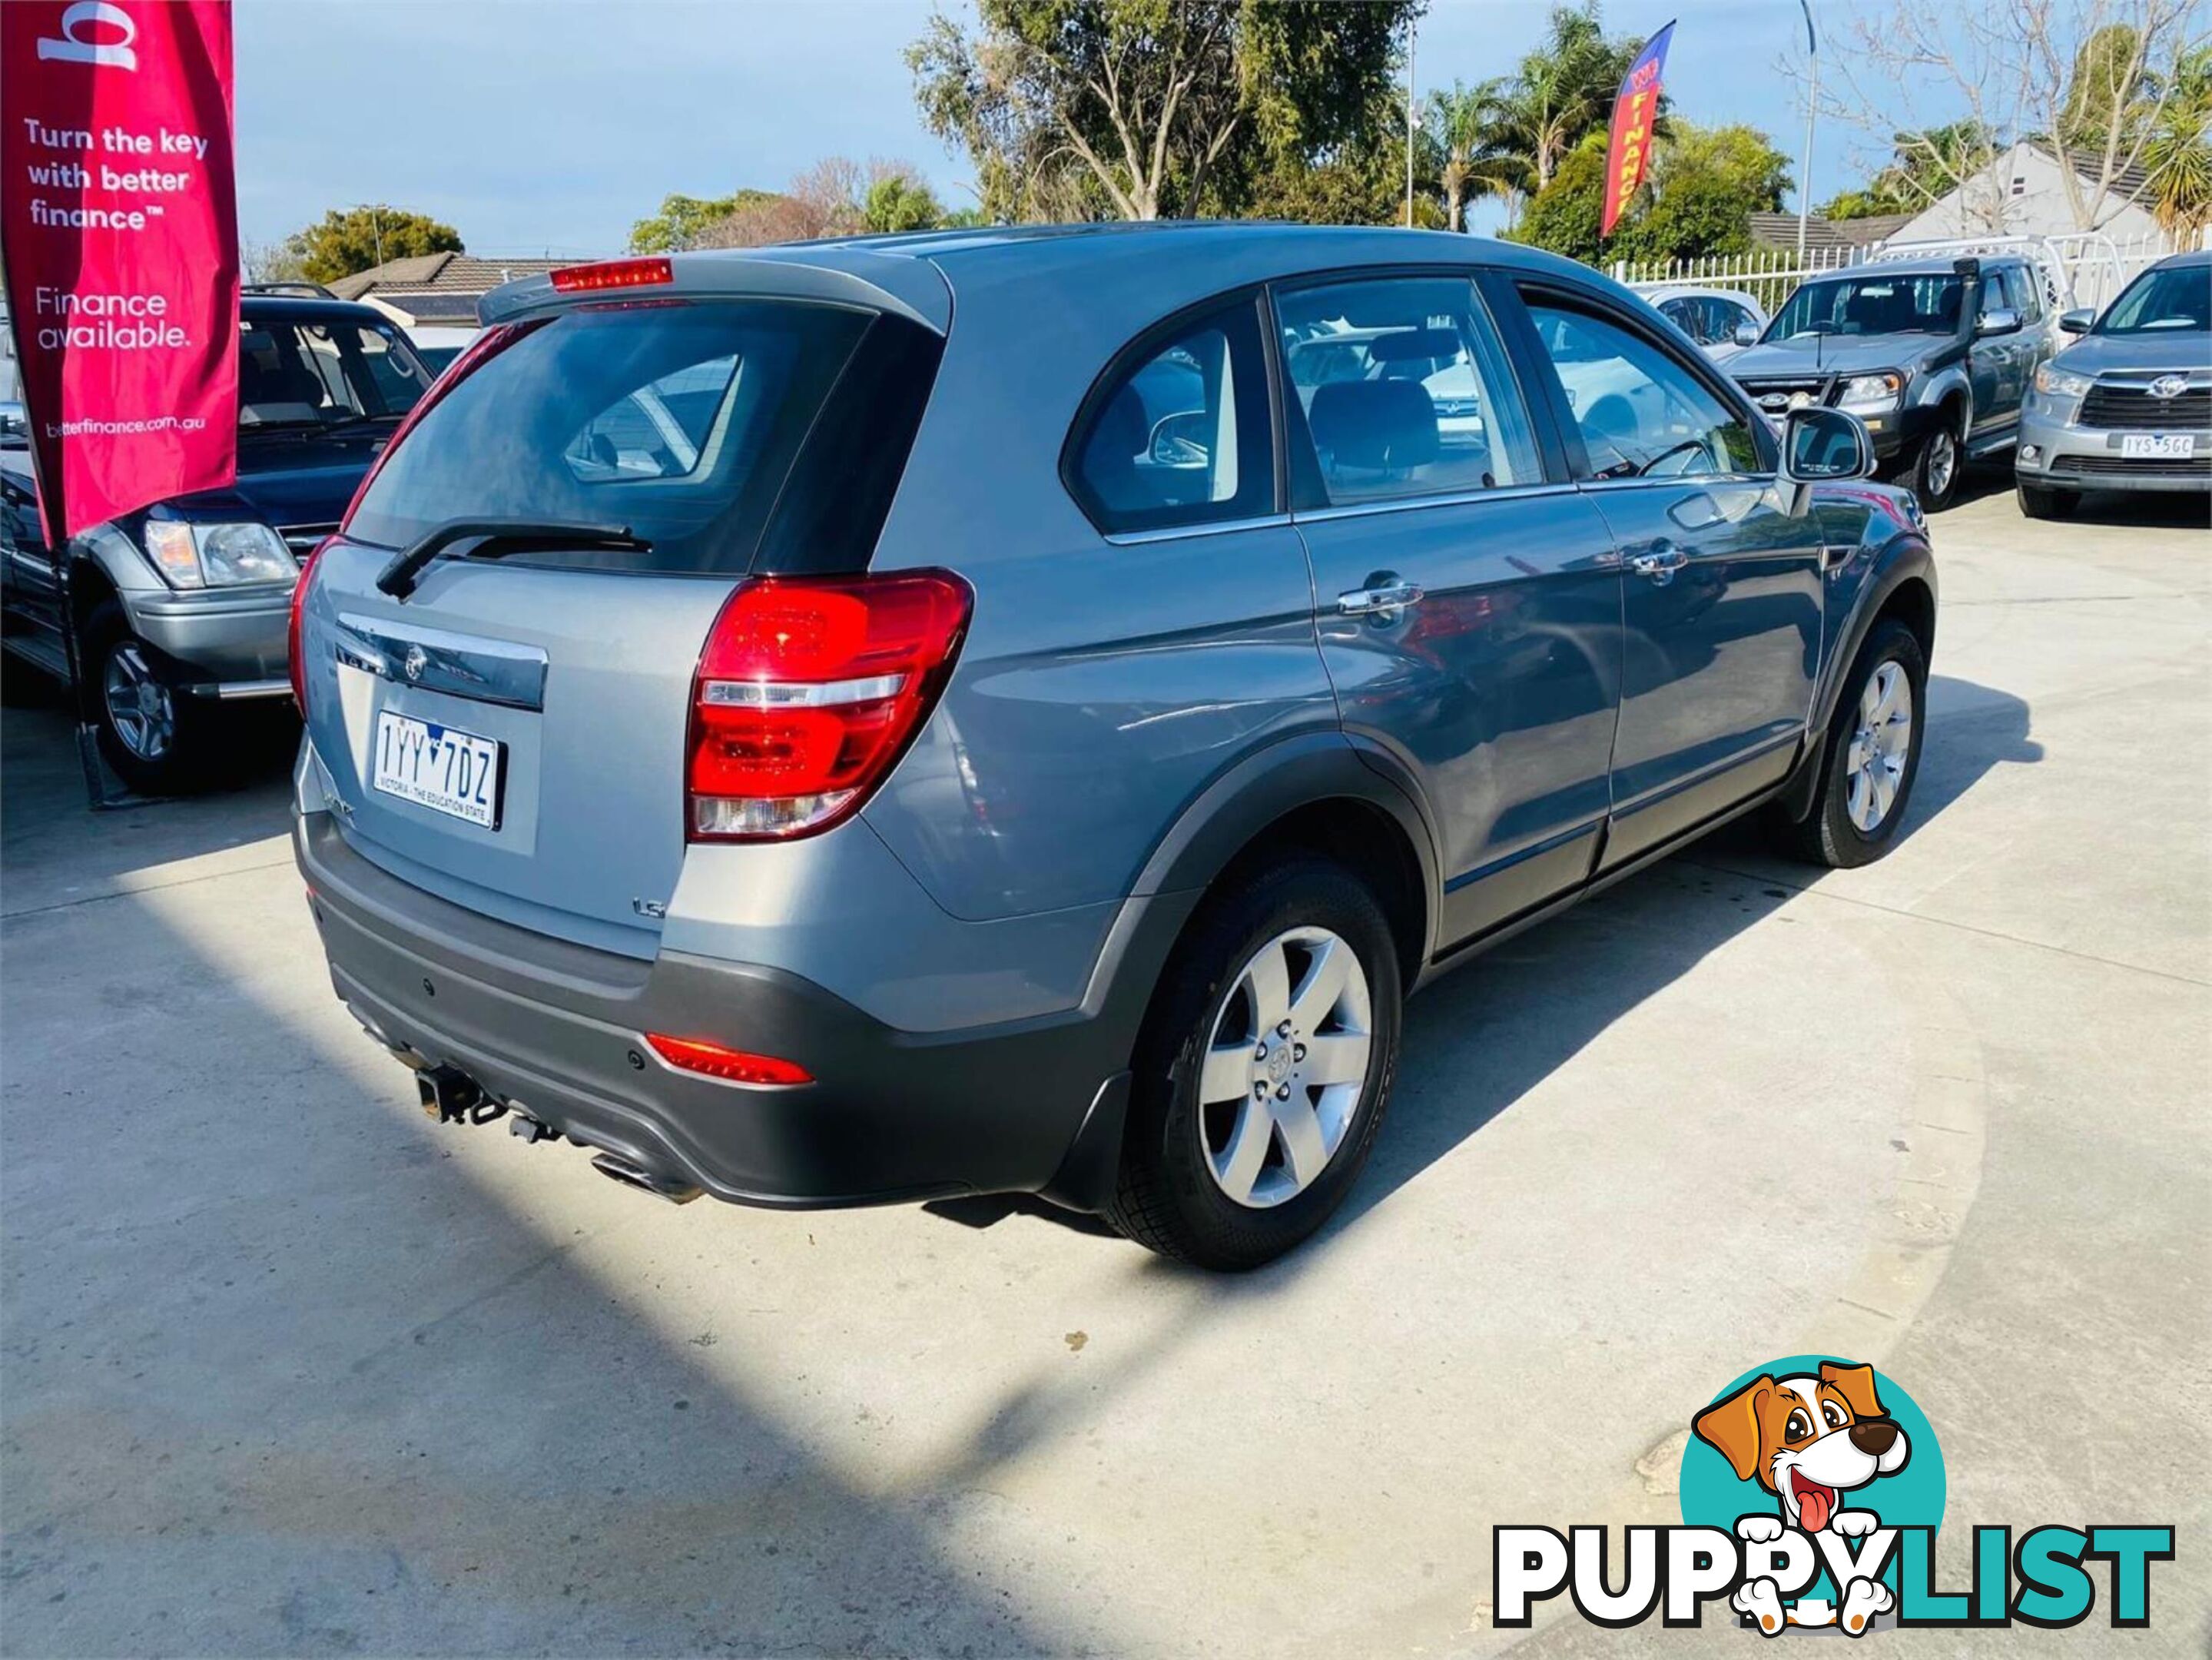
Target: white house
x,y
2022,193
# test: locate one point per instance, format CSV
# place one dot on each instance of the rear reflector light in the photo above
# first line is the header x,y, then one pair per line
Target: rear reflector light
x,y
613,274
808,692
730,1065
299,664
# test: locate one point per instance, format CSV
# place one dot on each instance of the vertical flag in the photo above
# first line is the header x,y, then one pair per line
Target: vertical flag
x,y
118,229
1637,103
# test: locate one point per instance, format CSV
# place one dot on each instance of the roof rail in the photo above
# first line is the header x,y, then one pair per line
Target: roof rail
x,y
2063,257
299,291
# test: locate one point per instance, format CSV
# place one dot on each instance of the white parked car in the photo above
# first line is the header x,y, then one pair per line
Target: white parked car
x,y
1722,320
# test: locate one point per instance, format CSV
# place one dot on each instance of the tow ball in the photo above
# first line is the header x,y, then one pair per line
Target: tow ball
x,y
450,1096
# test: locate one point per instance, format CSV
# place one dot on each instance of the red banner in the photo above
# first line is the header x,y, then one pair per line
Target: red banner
x,y
1629,157
119,225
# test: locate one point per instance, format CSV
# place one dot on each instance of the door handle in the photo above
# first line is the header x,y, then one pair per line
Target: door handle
x,y
1659,562
1383,600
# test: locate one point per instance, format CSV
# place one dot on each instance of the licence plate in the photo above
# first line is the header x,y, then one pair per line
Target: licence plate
x,y
455,773
2159,445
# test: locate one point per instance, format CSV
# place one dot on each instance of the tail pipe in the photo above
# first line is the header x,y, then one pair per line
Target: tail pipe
x,y
616,1168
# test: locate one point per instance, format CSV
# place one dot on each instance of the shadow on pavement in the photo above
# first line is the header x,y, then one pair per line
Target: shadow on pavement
x,y
277,1382
57,851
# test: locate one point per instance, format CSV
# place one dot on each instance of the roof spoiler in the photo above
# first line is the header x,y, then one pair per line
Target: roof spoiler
x,y
913,288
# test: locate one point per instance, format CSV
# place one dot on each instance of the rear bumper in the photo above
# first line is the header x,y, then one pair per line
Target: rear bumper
x,y
557,1031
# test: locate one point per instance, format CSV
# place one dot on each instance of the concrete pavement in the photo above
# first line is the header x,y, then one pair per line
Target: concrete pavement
x,y
285,1368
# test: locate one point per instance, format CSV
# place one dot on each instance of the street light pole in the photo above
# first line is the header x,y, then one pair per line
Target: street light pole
x,y
1413,41
1811,107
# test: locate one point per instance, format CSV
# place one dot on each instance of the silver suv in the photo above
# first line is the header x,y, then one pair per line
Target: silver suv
x,y
1016,711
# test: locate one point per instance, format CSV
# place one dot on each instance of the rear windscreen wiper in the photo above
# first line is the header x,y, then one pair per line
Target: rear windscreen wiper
x,y
495,538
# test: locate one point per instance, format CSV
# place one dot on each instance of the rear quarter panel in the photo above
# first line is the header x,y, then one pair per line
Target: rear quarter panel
x,y
1102,685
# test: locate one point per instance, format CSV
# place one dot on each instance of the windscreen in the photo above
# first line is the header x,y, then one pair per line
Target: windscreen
x,y
1891,304
674,421
2162,301
297,374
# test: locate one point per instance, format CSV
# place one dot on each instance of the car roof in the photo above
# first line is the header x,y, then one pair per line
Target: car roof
x,y
301,309
2188,259
1934,265
1694,291
1171,261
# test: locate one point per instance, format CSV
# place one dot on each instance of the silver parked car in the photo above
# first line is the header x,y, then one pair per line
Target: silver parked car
x,y
855,721
1722,320
2129,405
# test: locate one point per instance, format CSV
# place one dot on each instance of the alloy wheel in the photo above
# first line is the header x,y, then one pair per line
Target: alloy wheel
x,y
1943,461
1285,1067
1881,746
143,711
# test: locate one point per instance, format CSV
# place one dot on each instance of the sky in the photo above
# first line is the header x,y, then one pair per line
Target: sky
x,y
548,126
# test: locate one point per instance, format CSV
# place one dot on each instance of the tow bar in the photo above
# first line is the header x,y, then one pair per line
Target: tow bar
x,y
450,1096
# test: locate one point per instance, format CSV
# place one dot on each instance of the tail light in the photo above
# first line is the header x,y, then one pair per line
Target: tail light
x,y
808,691
730,1065
299,663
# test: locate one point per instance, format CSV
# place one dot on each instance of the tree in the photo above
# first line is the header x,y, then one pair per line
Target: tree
x,y
2082,76
682,219
1143,108
1707,182
1923,168
353,240
2178,154
1561,92
1473,157
835,196
271,262
1567,214
900,201
1704,185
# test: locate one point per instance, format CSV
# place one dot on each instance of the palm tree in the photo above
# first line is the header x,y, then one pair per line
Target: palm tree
x,y
1467,127
1562,89
2178,155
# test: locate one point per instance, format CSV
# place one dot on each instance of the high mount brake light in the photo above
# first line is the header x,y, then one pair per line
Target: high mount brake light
x,y
613,274
808,691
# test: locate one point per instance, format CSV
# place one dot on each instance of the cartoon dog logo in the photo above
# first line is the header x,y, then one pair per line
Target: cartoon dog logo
x,y
1809,1440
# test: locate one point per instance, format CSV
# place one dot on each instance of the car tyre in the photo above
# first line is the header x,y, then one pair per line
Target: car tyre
x,y
159,741
2038,503
1294,1146
1870,758
1936,467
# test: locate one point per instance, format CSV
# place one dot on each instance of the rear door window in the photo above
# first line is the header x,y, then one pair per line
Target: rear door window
x,y
1403,389
676,422
1178,432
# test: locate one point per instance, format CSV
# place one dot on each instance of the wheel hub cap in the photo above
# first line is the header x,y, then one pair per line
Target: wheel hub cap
x,y
1285,1068
139,706
1881,746
1943,458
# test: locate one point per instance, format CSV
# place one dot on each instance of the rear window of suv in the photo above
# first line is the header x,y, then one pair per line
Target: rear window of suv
x,y
677,422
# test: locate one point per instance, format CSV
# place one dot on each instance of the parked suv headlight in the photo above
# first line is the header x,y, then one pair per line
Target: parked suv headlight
x,y
1871,392
2054,382
218,555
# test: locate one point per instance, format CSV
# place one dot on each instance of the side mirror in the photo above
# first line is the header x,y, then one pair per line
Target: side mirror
x,y
2001,320
1822,447
1746,334
2077,321
1180,441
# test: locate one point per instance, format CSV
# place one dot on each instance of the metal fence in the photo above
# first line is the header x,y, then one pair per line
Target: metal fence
x,y
2098,266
